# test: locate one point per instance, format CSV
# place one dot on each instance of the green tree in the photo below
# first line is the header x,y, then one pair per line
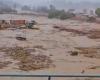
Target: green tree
x,y
26,8
52,8
98,12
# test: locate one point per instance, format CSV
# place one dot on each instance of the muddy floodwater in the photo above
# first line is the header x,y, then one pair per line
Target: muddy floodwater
x,y
70,45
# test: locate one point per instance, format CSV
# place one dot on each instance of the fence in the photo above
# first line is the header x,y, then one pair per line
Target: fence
x,y
52,75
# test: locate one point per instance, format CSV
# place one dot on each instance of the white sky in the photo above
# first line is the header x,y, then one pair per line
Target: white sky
x,y
38,2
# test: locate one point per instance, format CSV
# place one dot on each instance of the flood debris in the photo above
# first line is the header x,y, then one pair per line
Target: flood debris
x,y
74,53
90,52
21,38
56,27
83,71
79,32
17,22
30,25
28,61
4,24
94,34
50,54
21,35
94,67
21,24
35,62
4,64
40,47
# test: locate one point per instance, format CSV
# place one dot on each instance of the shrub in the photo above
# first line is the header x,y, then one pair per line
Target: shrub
x,y
53,14
60,14
66,15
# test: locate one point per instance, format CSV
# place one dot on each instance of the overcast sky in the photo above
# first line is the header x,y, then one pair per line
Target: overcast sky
x,y
30,2
38,2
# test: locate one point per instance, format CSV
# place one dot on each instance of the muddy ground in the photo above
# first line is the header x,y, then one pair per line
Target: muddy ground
x,y
73,46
